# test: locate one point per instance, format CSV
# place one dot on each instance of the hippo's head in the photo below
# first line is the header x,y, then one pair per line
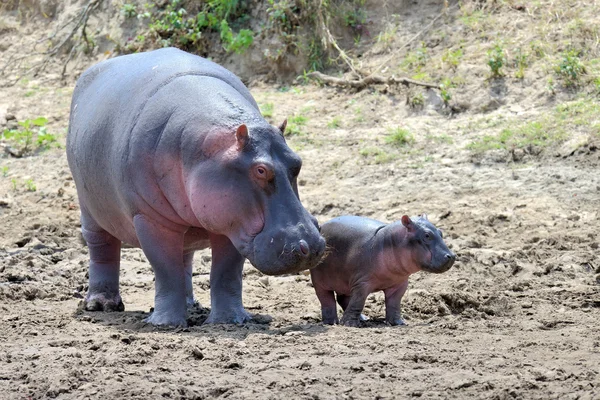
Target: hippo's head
x,y
245,188
429,249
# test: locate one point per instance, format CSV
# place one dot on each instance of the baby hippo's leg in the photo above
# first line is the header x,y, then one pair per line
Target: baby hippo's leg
x,y
343,301
393,296
328,307
353,311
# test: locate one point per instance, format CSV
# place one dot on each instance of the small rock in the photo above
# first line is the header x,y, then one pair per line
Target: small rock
x,y
197,353
294,333
9,117
264,281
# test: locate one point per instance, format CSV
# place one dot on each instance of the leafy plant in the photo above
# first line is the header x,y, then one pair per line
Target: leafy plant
x,y
30,185
31,136
496,60
129,10
452,57
445,87
570,68
4,170
175,26
399,137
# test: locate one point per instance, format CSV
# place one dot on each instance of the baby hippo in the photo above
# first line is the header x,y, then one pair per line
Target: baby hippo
x,y
366,255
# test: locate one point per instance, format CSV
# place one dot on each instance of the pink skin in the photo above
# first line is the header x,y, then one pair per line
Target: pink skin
x,y
365,258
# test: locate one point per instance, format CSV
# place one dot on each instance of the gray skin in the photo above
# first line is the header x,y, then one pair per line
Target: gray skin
x,y
365,255
170,153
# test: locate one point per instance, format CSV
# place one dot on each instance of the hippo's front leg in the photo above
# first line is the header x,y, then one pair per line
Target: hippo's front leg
x,y
164,249
226,283
393,296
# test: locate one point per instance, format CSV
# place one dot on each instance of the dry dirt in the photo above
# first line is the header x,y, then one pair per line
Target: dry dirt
x,y
518,317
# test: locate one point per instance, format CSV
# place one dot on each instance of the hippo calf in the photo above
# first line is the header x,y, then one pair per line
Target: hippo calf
x,y
169,152
366,255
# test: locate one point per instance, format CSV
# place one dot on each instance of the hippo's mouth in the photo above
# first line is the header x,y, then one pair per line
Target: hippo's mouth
x,y
438,269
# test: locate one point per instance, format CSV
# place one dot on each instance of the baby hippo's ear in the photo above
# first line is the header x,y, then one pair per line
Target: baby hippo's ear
x,y
406,221
424,216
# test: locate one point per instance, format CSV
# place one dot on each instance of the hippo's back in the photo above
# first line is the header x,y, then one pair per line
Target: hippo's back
x,y
350,229
120,109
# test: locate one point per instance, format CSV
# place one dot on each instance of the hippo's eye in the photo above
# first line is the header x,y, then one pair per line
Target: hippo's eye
x,y
263,172
428,235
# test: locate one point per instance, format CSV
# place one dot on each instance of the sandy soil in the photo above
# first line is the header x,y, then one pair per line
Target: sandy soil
x,y
518,317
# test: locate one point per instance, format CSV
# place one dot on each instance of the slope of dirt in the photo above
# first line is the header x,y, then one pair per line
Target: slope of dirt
x,y
518,317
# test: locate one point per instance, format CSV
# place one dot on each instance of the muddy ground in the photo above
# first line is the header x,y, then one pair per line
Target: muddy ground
x,y
517,317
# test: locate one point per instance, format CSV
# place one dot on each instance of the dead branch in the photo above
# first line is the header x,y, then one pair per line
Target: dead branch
x,y
82,18
328,39
369,80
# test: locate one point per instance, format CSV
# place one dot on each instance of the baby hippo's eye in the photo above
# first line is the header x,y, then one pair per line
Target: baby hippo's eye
x,y
428,235
261,171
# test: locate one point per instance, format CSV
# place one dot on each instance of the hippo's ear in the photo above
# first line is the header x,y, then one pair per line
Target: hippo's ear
x,y
241,136
424,216
282,127
406,221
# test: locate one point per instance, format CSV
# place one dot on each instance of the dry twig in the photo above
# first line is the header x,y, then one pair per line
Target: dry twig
x,y
369,80
14,63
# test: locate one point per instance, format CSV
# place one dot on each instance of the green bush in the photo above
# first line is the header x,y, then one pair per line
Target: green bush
x,y
32,135
496,60
570,68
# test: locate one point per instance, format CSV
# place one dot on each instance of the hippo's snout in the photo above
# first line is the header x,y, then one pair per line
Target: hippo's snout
x,y
449,259
289,250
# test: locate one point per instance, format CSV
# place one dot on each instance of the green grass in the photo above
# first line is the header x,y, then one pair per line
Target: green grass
x,y
298,119
399,137
553,127
376,155
441,139
267,110
335,123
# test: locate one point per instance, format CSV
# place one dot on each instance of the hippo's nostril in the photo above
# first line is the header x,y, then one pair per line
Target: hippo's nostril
x,y
304,249
450,256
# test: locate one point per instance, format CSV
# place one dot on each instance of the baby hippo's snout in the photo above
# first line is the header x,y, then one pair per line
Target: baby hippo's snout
x,y
449,258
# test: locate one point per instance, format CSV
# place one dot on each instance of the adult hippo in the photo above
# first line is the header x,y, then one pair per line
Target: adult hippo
x,y
170,153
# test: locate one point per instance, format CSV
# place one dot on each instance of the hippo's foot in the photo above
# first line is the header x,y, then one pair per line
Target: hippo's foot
x,y
103,302
329,316
235,316
353,323
396,321
164,319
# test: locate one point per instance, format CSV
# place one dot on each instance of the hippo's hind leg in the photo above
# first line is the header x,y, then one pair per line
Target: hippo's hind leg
x,y
188,262
164,249
352,314
105,257
226,305
393,296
